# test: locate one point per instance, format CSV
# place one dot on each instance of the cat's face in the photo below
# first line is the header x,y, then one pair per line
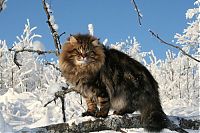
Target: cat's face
x,y
84,52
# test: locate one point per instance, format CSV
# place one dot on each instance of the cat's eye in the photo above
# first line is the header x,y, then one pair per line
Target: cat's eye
x,y
74,51
87,51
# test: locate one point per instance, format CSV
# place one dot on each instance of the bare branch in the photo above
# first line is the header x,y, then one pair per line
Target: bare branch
x,y
62,34
54,33
15,60
169,44
51,64
59,38
138,12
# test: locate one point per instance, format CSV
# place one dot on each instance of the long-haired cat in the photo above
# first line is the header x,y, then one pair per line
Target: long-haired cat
x,y
112,80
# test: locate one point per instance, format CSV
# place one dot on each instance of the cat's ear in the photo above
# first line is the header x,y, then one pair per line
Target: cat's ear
x,y
95,42
72,39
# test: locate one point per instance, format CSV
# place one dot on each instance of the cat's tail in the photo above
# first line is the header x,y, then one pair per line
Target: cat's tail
x,y
152,115
155,121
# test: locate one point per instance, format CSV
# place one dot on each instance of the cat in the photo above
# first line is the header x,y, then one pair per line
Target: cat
x,y
111,79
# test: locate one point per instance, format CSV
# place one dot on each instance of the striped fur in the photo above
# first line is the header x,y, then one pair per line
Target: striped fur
x,y
111,79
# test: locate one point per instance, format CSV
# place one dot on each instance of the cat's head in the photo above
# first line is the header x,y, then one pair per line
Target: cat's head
x,y
82,50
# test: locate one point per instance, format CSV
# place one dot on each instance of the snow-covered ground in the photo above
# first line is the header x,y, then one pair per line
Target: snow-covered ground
x,y
25,91
26,110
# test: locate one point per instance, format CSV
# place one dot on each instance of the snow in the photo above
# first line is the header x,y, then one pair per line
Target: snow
x,y
51,19
105,42
25,91
3,4
91,29
37,45
4,127
25,110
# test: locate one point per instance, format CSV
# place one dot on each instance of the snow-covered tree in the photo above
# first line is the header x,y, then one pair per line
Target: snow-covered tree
x,y
190,37
33,74
131,47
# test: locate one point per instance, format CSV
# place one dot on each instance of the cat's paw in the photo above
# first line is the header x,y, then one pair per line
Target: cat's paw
x,y
87,113
123,112
101,114
119,113
116,113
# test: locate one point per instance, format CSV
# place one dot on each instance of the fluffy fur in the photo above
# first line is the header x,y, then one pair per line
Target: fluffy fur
x,y
112,80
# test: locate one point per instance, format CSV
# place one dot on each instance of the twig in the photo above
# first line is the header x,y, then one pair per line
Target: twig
x,y
55,35
169,44
55,98
138,12
81,105
15,60
62,99
61,95
34,51
59,38
28,50
51,64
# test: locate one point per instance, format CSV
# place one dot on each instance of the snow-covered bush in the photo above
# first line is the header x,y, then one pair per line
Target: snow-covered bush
x,y
32,73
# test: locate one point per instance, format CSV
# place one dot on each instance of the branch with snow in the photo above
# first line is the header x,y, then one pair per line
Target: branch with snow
x,y
39,52
171,45
2,4
117,123
53,27
61,95
138,12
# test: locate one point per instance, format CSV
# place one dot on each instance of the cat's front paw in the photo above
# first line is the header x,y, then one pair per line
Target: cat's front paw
x,y
101,114
119,113
88,113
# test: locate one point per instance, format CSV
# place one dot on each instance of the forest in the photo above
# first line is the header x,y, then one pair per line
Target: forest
x,y
28,80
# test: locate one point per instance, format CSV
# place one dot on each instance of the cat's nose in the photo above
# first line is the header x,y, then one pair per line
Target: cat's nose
x,y
83,55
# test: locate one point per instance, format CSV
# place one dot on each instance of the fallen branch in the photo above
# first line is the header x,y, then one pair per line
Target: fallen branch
x,y
115,123
138,12
169,44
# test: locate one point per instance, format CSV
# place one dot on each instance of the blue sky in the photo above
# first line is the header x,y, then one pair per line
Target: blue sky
x,y
112,19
